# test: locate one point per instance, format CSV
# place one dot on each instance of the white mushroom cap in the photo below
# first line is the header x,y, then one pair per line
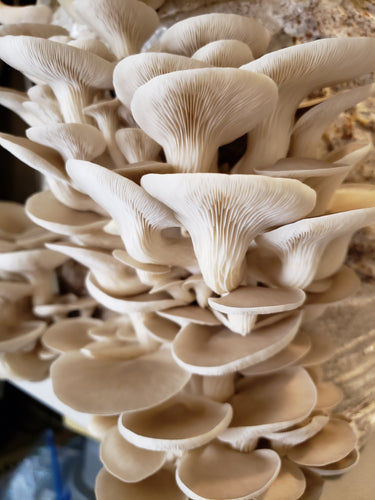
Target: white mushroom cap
x,y
217,471
289,484
126,461
216,350
109,386
136,145
160,486
69,334
223,213
224,53
187,36
124,25
202,109
25,14
269,403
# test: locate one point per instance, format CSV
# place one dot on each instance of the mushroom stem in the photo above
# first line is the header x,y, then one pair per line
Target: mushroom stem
x,y
72,100
44,284
241,323
219,388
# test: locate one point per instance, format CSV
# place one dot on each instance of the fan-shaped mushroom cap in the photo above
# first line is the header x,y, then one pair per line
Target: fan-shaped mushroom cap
x,y
136,145
342,466
243,305
124,25
298,70
14,222
224,53
290,355
190,314
306,247
126,461
71,140
329,396
217,471
18,336
114,349
108,386
134,71
314,486
32,29
111,275
25,365
308,130
323,177
160,329
160,486
187,36
68,70
289,484
223,213
352,197
25,14
333,443
46,211
269,403
217,351
69,334
181,423
202,109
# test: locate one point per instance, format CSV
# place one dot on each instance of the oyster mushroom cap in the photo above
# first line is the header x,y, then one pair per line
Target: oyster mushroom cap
x,y
126,461
224,53
32,29
217,471
21,335
289,484
181,423
25,365
224,213
184,315
202,109
69,334
187,36
86,384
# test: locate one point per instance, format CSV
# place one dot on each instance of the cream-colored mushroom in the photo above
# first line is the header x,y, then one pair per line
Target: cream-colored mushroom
x,y
160,329
124,25
136,171
298,70
306,247
136,145
224,54
217,471
239,309
86,384
187,36
159,486
269,403
127,462
340,467
224,213
192,113
71,72
69,335
352,197
25,14
217,351
190,314
182,423
289,484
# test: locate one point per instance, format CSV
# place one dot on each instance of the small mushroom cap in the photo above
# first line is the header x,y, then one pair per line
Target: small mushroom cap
x,y
18,336
45,210
289,484
25,365
14,222
329,396
216,350
69,334
333,443
342,466
181,423
190,314
160,486
269,403
187,36
108,386
126,461
224,53
217,471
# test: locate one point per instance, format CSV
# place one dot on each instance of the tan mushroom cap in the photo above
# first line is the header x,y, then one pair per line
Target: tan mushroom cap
x,y
224,213
160,329
181,423
202,110
160,486
190,314
333,443
290,355
25,365
269,403
341,467
216,471
124,25
14,222
243,305
352,197
126,461
136,171
289,484
24,14
187,36
136,145
329,396
224,53
314,486
114,349
69,334
216,350
134,71
17,336
45,210
108,386
119,327
13,291
32,29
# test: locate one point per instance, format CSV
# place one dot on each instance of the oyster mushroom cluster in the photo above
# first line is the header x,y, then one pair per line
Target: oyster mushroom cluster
x,y
200,366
